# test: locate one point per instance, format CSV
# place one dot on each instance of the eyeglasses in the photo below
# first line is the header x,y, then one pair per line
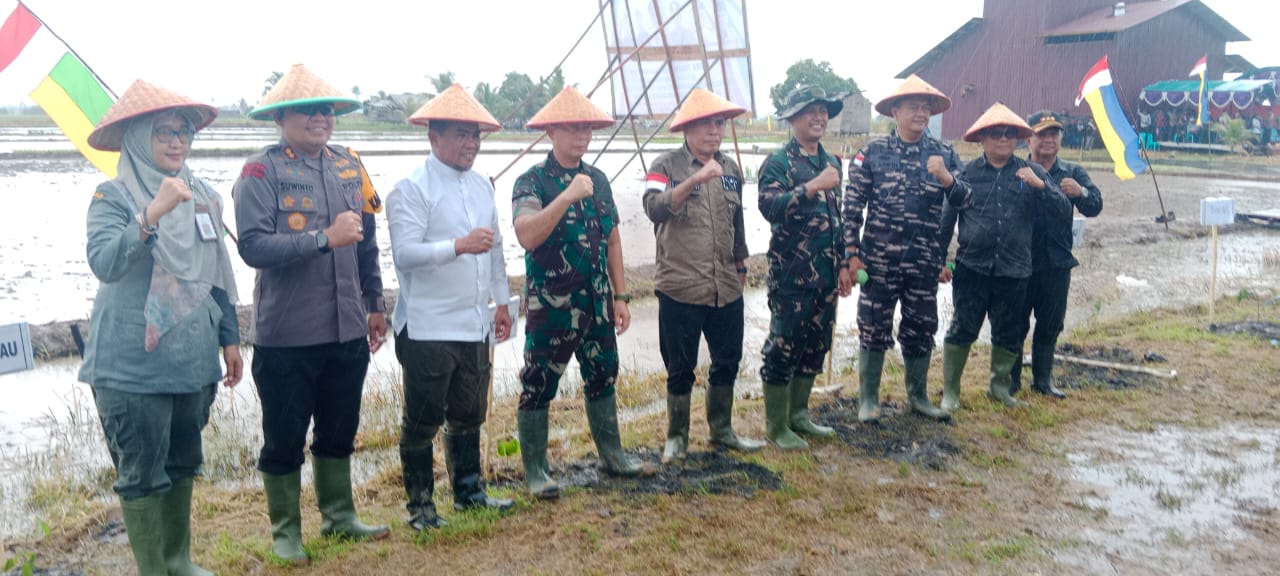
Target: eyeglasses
x,y
1002,132
313,109
165,134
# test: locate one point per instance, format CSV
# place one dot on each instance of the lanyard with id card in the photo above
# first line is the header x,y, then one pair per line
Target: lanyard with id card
x,y
204,224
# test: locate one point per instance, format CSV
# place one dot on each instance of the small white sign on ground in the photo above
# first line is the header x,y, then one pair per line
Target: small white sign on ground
x,y
1217,211
15,348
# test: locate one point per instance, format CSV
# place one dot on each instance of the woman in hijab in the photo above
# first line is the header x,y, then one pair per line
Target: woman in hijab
x,y
165,308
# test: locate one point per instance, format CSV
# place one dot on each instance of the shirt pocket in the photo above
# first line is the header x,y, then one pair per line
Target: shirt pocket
x,y
297,209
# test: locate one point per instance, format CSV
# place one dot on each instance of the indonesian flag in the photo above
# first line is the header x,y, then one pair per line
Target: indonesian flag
x,y
656,181
1201,66
857,160
30,55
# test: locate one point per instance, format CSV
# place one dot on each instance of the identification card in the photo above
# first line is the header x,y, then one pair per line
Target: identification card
x,y
204,224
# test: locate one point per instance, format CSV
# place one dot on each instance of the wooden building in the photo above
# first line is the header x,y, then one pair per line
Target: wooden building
x,y
1032,54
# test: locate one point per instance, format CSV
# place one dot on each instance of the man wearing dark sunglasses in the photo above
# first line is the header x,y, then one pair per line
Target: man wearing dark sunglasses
x,y
304,210
1051,259
993,260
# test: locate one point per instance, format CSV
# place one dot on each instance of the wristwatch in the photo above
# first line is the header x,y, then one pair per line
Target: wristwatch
x,y
625,298
322,242
146,227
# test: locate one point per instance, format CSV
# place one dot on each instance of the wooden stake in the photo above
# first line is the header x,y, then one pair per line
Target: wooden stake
x,y
1213,282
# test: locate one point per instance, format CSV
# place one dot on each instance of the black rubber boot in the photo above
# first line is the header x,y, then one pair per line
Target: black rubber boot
x,y
1042,371
420,486
336,503
462,456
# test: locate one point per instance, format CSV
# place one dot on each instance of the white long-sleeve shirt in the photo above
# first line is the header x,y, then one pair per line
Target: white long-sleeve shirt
x,y
444,296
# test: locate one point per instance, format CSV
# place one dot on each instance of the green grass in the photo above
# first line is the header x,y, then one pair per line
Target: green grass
x,y
1008,550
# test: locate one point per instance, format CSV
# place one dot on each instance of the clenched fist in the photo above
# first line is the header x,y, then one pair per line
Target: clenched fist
x,y
346,229
479,241
938,169
173,191
828,179
1071,188
581,187
1026,174
709,171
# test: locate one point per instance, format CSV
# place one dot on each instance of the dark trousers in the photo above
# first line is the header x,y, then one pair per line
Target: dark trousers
x,y
800,328
443,382
1047,300
978,297
876,304
680,330
298,385
154,439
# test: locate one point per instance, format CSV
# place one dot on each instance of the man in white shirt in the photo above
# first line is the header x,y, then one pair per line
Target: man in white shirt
x,y
447,249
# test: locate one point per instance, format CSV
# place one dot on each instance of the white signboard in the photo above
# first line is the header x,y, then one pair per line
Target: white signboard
x,y
513,308
1077,231
15,348
1217,211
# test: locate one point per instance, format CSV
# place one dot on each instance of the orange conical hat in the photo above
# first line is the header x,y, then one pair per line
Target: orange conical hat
x,y
570,107
997,115
455,105
299,87
142,98
915,86
704,104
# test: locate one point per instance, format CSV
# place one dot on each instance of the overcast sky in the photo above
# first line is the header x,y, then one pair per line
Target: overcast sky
x,y
222,51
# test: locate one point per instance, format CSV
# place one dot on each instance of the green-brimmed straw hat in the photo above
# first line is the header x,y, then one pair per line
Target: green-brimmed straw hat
x,y
300,87
804,95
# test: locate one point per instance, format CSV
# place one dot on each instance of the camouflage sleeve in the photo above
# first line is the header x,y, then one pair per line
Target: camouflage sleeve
x,y
524,197
1090,205
777,195
960,195
856,195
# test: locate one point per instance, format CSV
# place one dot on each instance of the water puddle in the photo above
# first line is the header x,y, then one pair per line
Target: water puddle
x,y
1177,500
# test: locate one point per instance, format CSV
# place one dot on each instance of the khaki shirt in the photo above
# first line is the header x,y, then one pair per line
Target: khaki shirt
x,y
699,245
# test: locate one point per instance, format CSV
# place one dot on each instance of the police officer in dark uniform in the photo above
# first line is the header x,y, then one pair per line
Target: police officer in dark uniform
x,y
305,210
1051,259
902,181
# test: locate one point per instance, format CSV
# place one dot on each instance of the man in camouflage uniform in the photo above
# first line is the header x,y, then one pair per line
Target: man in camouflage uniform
x,y
1051,259
799,196
565,217
902,180
693,195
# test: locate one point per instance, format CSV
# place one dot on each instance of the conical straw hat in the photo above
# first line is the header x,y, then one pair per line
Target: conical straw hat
x,y
455,105
140,99
915,86
704,104
997,115
570,107
299,87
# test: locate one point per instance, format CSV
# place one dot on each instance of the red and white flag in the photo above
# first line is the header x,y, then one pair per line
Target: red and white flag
x,y
656,181
1201,66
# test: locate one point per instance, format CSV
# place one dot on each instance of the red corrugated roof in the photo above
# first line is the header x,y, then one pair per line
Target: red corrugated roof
x,y
1104,21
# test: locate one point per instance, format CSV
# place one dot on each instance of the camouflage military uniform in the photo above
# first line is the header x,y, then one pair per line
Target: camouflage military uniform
x,y
570,302
803,262
899,248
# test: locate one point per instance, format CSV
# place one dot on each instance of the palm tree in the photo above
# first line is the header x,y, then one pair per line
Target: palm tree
x,y
1232,132
356,90
441,82
271,82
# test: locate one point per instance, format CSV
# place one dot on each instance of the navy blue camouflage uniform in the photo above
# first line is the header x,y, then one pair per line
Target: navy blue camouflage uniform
x,y
803,262
899,247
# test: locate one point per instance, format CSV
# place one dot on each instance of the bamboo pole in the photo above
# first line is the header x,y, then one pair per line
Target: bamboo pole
x,y
1213,282
1166,374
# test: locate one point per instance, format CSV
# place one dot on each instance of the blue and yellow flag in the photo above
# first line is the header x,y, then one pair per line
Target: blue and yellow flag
x,y
1113,127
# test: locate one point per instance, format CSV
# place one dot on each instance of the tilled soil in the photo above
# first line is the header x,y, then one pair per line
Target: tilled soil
x,y
710,472
900,435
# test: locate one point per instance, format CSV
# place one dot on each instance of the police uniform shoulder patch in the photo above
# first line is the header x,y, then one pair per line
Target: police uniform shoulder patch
x,y
254,170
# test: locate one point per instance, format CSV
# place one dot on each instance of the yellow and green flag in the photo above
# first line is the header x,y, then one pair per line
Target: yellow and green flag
x,y
31,55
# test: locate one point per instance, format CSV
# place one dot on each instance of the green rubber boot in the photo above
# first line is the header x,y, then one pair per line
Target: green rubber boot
x,y
177,530
1002,360
337,508
602,417
954,357
677,447
801,387
144,524
720,420
917,368
870,367
532,425
1015,375
777,414
286,518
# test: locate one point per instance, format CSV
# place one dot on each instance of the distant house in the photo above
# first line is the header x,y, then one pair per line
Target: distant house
x,y
855,118
1032,54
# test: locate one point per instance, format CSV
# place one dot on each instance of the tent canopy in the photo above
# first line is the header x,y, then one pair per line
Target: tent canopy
x,y
1239,93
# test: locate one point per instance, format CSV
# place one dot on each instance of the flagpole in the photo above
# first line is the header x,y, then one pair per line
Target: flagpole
x,y
1142,150
71,50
